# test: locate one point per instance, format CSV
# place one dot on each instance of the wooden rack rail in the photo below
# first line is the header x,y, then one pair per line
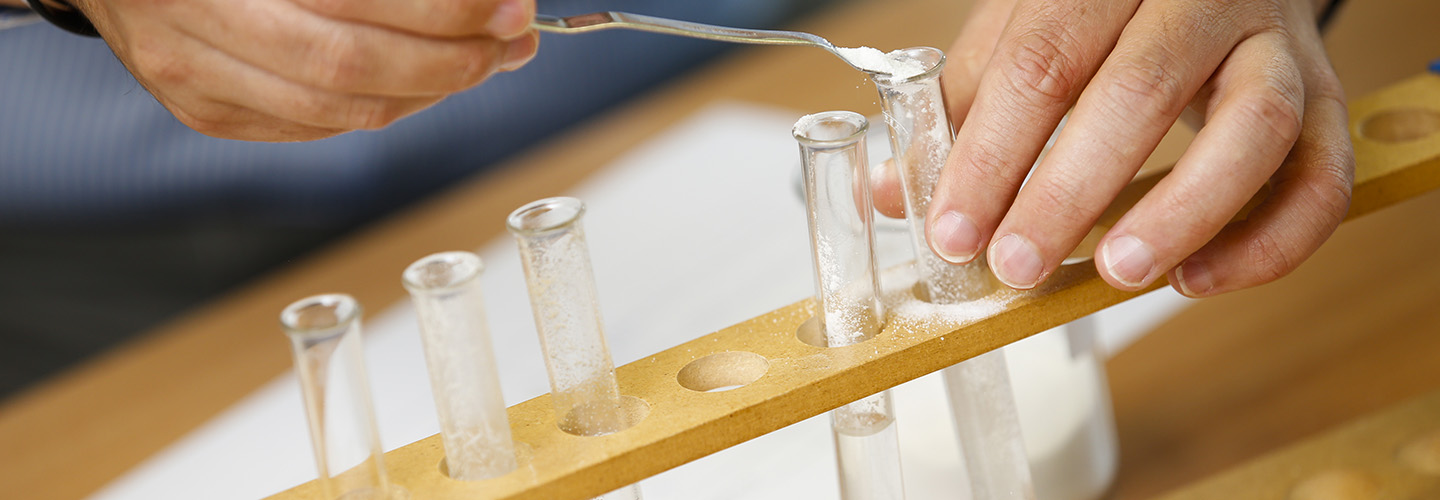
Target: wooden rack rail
x,y
1396,133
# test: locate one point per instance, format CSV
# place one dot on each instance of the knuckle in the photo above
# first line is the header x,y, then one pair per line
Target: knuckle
x,y
210,127
1260,17
1039,65
1270,17
1184,213
453,15
1059,200
1199,19
162,67
1275,107
475,63
1326,87
207,123
339,62
328,7
372,114
1145,86
1330,190
986,165
1268,258
1185,208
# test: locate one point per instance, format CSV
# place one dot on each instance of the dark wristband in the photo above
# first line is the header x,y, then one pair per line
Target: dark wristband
x,y
69,20
1328,14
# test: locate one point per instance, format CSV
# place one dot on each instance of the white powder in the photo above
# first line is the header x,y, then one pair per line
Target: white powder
x,y
911,314
874,61
806,123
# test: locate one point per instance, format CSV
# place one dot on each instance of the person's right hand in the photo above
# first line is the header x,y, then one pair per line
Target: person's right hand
x,y
1125,70
294,70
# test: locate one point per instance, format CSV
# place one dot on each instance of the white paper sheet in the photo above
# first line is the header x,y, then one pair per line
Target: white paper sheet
x,y
705,219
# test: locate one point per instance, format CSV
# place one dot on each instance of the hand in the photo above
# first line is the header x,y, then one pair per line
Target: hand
x,y
1255,69
291,70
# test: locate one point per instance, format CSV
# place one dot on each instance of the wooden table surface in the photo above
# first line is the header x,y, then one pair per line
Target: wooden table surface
x,y
1228,379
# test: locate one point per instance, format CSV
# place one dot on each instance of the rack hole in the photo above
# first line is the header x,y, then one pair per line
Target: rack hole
x,y
595,419
522,458
968,282
1401,125
723,371
809,333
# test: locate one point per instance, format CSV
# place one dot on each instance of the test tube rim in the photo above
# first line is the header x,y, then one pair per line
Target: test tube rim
x,y
931,73
348,310
518,225
807,122
416,286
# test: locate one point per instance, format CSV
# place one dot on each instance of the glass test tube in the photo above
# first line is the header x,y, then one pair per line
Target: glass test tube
x,y
1063,396
324,333
445,288
920,138
567,316
981,397
842,237
1063,399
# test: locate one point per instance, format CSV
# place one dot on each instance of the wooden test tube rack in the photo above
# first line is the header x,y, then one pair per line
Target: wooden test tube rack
x,y
1394,454
1396,133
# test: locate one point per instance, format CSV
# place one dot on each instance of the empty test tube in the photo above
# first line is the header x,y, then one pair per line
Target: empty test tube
x,y
324,333
981,397
445,288
567,316
842,237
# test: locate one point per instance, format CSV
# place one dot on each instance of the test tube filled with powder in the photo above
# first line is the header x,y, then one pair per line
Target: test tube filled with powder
x,y
842,238
556,259
324,332
445,289
981,399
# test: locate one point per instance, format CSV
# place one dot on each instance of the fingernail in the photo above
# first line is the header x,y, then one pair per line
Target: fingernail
x,y
954,237
519,52
1129,260
509,20
1195,280
1016,262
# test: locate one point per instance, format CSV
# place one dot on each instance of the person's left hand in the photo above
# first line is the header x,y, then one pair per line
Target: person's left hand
x,y
1256,70
301,70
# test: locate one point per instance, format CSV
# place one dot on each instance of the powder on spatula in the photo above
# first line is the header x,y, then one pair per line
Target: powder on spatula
x,y
874,61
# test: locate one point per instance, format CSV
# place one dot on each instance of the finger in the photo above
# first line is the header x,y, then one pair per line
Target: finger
x,y
520,51
1257,119
1164,56
168,71
1048,51
275,96
503,19
313,50
231,81
885,190
1311,194
228,121
969,54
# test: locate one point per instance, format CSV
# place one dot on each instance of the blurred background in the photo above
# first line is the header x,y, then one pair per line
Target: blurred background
x,y
114,216
142,264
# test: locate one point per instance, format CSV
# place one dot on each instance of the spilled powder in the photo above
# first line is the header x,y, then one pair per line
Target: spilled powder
x,y
909,313
874,61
